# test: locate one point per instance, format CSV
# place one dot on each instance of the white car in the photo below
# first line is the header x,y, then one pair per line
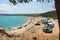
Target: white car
x,y
51,25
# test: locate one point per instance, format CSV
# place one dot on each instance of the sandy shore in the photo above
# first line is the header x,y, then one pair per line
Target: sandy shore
x,y
28,35
31,22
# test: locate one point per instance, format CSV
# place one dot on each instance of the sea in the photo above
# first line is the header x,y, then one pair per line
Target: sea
x,y
12,21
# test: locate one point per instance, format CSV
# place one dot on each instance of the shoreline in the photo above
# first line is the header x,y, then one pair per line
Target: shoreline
x,y
30,22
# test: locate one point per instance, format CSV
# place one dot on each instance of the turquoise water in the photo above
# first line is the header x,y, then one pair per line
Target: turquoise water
x,y
11,21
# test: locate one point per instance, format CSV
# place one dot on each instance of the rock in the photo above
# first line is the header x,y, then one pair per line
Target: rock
x,y
13,28
2,30
8,32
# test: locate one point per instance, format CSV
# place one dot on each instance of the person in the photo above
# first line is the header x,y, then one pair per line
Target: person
x,y
48,20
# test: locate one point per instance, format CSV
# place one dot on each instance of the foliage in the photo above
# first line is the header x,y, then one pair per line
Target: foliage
x,y
51,14
25,1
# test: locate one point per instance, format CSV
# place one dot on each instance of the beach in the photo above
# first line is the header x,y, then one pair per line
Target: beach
x,y
39,34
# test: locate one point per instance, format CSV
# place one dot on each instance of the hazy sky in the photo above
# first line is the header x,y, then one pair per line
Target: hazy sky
x,y
21,8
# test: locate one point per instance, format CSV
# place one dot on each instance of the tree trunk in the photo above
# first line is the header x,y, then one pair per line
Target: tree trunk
x,y
57,6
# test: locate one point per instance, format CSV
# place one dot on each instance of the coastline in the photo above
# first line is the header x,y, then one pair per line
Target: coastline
x,y
30,23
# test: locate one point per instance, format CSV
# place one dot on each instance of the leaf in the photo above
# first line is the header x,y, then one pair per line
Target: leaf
x,y
20,1
13,1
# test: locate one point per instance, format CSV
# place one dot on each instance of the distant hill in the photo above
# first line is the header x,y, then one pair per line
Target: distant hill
x,y
51,14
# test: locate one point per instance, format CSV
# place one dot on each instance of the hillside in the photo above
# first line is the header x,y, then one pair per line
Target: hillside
x,y
47,14
51,14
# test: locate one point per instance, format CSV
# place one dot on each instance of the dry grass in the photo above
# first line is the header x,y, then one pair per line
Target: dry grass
x,y
28,36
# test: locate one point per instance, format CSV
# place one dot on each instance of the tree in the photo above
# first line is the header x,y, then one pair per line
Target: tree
x,y
13,1
20,1
57,5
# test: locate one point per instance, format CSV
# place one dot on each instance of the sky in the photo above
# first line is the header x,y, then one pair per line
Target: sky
x,y
26,8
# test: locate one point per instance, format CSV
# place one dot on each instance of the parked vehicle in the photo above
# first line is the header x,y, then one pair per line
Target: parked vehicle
x,y
51,25
47,30
44,21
